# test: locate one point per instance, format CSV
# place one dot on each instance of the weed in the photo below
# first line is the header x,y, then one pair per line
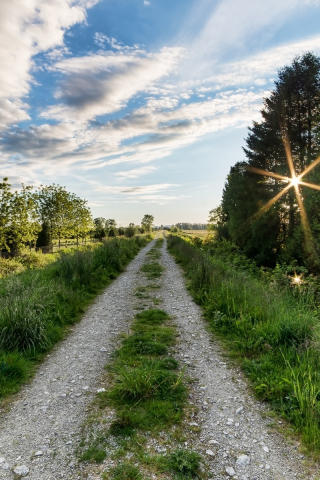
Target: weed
x,y
152,270
93,454
126,471
184,464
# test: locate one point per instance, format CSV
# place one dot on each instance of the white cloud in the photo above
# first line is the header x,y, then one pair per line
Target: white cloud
x,y
26,29
103,83
146,2
137,172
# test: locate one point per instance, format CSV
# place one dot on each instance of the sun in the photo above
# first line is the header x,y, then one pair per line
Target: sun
x,y
294,181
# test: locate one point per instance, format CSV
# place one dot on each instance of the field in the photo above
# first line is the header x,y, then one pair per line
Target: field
x,y
196,233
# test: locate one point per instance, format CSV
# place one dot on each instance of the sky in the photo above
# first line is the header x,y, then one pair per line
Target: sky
x,y
140,106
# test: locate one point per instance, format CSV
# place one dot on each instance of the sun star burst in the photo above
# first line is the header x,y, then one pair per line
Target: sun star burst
x,y
294,181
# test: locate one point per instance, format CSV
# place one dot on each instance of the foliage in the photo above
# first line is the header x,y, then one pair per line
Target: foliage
x,y
64,214
290,115
147,222
39,304
18,219
270,326
184,463
130,232
28,217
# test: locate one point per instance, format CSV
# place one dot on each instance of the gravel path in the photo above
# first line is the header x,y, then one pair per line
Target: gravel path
x,y
41,429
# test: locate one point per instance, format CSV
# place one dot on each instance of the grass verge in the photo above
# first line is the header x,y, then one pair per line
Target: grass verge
x,y
38,306
271,330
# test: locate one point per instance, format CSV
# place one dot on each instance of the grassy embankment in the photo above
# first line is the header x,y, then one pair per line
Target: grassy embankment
x,y
269,326
39,304
146,395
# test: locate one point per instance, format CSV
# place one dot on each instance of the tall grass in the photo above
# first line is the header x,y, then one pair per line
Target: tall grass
x,y
271,329
37,305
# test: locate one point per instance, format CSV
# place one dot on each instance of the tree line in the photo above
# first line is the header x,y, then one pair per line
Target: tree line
x,y
34,218
191,226
108,227
266,209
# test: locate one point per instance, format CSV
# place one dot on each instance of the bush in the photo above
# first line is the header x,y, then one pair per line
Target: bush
x,y
130,232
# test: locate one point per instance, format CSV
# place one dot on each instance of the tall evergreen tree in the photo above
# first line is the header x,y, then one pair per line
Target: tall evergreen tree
x,y
289,127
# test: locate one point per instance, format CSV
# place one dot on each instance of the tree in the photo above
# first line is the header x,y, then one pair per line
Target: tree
x,y
147,222
54,207
130,231
24,227
290,123
110,223
18,221
82,221
5,213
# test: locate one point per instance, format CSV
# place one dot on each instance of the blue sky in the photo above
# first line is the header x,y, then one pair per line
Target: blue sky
x,y
140,106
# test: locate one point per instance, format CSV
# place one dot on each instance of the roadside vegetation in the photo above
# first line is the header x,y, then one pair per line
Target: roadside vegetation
x,y
40,304
268,321
144,402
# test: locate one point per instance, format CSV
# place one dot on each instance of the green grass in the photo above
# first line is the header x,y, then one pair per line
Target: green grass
x,y
272,330
152,270
125,471
184,464
147,391
38,305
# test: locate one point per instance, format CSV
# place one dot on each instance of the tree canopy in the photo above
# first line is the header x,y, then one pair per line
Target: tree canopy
x,y
147,222
277,231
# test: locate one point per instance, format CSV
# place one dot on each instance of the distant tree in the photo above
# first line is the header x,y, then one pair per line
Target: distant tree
x,y
44,239
130,232
147,222
99,225
112,232
121,231
110,223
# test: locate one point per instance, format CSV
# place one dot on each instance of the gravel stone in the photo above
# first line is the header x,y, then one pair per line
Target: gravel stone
x,y
243,461
22,471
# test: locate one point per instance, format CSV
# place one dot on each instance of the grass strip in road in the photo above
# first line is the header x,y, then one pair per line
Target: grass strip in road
x,y
38,305
271,330
153,269
148,393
